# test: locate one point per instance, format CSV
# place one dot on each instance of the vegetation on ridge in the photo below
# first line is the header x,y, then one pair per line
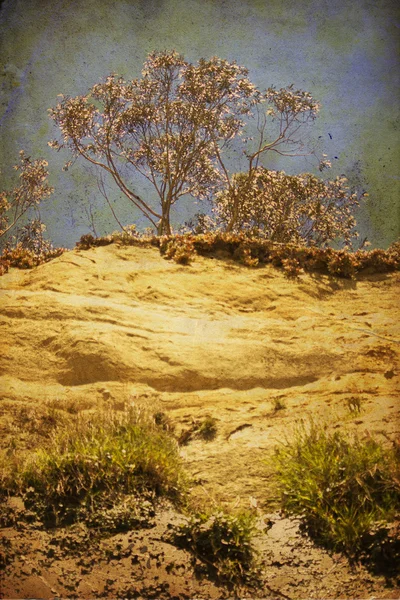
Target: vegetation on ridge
x,y
253,251
174,127
247,249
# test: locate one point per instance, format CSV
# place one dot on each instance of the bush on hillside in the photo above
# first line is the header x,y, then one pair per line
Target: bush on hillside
x,y
291,209
223,543
252,251
22,258
345,489
92,460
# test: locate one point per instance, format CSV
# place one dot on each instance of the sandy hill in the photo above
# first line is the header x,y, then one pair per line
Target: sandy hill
x,y
247,346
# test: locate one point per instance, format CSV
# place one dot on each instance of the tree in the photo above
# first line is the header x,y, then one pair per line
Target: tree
x,y
301,209
170,126
174,127
32,190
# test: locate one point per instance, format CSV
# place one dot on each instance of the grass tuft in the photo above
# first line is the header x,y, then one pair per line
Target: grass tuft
x,y
208,428
343,488
222,542
97,456
354,404
279,404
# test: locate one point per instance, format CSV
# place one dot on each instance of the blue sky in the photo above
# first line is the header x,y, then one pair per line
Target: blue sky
x,y
344,52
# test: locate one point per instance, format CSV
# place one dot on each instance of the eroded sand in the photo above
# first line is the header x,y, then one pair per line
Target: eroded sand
x,y
117,324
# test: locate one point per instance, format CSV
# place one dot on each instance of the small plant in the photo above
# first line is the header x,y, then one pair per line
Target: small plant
x,y
161,419
244,255
279,404
341,487
223,542
24,258
354,404
291,267
342,263
178,248
208,428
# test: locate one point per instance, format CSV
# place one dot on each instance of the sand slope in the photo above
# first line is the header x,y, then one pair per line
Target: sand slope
x,y
126,315
214,338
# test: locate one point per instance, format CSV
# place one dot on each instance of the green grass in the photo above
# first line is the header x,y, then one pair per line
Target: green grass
x,y
106,469
93,457
222,542
344,488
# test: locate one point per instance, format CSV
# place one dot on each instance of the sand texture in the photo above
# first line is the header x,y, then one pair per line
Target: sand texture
x,y
121,324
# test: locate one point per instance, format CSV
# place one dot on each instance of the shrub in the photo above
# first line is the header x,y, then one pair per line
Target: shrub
x,y
23,258
223,542
208,429
342,263
299,209
93,456
32,190
128,237
291,267
28,248
179,248
341,487
88,241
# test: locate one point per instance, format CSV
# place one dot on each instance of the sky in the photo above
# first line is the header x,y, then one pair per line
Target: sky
x,y
344,52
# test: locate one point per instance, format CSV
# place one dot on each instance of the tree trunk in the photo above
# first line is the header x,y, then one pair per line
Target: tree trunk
x,y
235,212
163,226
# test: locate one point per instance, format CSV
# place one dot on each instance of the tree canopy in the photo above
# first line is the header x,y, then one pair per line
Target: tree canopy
x,y
174,127
166,126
